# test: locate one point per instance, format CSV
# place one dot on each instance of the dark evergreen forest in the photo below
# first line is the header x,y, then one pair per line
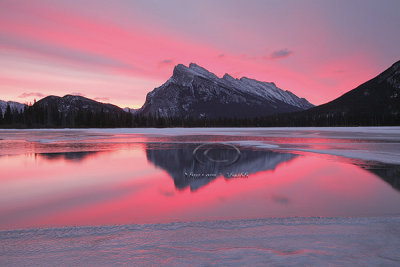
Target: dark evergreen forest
x,y
49,117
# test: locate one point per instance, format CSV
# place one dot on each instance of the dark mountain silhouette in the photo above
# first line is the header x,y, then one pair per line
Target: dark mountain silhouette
x,y
380,95
375,102
76,156
74,103
70,111
390,173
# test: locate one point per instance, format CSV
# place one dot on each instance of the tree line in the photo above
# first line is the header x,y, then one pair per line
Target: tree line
x,y
50,117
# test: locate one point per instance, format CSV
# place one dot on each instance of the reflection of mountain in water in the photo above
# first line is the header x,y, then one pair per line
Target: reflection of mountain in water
x,y
388,172
187,170
70,156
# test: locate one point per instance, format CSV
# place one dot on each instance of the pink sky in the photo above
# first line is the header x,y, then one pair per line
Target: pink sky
x,y
117,51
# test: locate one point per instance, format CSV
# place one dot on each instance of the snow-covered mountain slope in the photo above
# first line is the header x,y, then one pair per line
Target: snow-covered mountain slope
x,y
195,92
13,105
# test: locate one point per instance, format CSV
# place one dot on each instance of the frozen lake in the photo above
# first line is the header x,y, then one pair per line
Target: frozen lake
x,y
284,196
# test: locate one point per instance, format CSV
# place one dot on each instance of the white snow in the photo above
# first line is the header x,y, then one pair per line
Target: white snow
x,y
253,144
13,105
311,132
270,91
380,156
311,241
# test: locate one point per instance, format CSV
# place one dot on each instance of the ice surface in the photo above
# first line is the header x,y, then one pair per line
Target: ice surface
x,y
368,155
303,131
366,241
381,144
277,241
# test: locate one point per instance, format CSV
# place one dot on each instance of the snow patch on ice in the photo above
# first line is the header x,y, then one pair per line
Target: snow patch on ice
x,y
257,144
384,157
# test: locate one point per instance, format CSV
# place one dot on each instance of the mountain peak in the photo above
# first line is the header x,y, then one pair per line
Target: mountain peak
x,y
185,74
194,66
76,102
228,77
76,98
195,92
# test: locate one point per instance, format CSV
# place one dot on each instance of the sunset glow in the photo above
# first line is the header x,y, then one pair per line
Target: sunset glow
x,y
119,51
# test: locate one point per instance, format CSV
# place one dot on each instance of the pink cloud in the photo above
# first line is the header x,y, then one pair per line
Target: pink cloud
x,y
124,56
283,53
165,63
30,94
77,94
101,98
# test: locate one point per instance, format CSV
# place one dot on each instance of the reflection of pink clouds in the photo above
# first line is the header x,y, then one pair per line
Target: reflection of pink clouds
x,y
122,187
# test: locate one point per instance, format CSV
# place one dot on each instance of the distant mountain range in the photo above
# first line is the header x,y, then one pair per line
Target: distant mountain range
x,y
194,92
194,96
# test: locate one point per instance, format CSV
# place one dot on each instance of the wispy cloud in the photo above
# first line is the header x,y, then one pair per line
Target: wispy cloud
x,y
102,98
166,61
30,94
65,54
282,53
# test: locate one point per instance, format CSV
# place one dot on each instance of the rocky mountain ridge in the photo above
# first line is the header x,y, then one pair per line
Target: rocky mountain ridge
x,y
197,93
